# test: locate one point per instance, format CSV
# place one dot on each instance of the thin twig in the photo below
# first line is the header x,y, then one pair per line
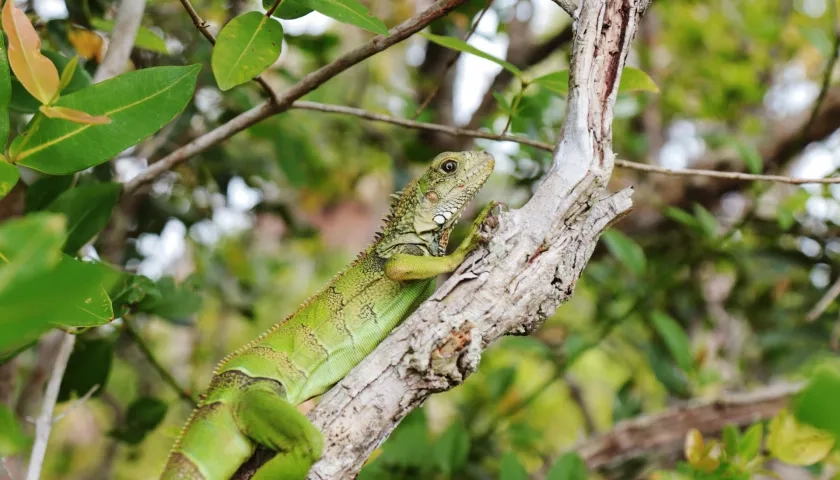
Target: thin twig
x,y
568,6
829,69
284,101
44,422
455,131
453,57
202,27
150,357
830,294
76,403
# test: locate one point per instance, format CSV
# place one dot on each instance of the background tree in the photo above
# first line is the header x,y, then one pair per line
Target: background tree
x,y
156,221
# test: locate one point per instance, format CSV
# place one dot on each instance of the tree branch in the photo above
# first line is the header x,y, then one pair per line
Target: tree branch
x,y
567,5
126,25
464,132
285,99
664,432
43,424
529,267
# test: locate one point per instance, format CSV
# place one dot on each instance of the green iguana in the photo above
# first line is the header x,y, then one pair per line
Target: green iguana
x,y
253,393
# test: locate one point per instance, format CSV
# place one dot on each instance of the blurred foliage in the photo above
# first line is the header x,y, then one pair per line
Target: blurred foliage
x,y
712,298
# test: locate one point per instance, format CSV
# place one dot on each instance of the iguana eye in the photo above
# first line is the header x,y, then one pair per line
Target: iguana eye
x,y
449,166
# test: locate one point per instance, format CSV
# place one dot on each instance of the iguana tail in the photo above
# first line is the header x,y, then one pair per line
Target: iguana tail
x,y
225,430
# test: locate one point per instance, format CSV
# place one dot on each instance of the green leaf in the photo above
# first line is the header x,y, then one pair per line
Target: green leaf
x,y
818,38
348,11
499,381
95,308
730,440
451,449
9,176
462,46
142,416
29,246
556,82
707,222
89,365
626,251
88,209
409,446
139,103
12,438
175,303
43,191
681,216
33,269
667,372
750,444
67,73
245,48
511,469
816,404
288,9
632,80
568,467
23,102
145,39
504,106
5,98
675,339
130,290
752,159
797,443
635,80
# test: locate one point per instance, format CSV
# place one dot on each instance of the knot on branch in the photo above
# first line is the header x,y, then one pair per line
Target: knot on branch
x,y
451,360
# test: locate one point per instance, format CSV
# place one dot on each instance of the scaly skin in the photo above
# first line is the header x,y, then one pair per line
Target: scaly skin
x,y
252,396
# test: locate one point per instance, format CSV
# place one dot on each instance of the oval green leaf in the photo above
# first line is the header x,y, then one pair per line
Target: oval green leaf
x,y
635,80
247,46
145,39
348,11
89,365
138,103
511,468
5,96
88,209
288,10
462,46
568,467
798,443
675,339
626,251
9,176
632,80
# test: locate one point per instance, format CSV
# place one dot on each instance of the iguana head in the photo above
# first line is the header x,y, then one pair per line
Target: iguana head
x,y
428,207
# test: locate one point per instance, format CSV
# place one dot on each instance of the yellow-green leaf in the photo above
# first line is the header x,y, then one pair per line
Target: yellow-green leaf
x,y
9,175
35,71
245,47
347,11
145,39
632,80
5,96
76,116
138,103
68,72
796,443
635,80
462,46
12,438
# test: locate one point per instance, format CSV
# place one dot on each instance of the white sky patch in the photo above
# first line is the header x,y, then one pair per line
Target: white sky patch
x,y
240,196
162,251
313,24
50,9
474,74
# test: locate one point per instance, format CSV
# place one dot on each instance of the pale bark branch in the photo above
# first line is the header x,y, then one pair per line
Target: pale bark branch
x,y
567,5
465,132
44,422
664,433
286,98
126,25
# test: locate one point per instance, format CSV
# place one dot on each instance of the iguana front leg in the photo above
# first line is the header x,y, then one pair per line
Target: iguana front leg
x,y
402,267
270,421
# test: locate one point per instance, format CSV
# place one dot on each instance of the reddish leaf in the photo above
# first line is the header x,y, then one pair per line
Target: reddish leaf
x,y
36,72
72,115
